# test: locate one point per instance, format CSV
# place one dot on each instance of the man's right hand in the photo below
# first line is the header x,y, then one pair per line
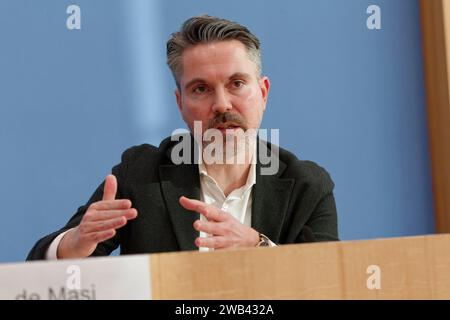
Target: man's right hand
x,y
99,223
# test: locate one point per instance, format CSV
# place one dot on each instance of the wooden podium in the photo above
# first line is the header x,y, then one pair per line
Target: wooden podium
x,y
395,268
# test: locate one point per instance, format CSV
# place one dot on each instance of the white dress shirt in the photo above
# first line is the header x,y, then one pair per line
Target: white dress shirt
x,y
238,203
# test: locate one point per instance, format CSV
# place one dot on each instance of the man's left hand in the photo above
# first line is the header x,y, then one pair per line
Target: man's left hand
x,y
225,230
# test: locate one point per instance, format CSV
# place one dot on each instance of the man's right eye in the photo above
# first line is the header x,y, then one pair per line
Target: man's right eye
x,y
199,89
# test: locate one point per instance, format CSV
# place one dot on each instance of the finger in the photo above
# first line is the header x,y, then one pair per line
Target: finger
x,y
110,189
111,214
112,204
101,236
208,211
218,242
97,226
213,228
191,204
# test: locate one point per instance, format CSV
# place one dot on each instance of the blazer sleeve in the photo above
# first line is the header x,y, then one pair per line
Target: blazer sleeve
x,y
323,220
314,214
104,248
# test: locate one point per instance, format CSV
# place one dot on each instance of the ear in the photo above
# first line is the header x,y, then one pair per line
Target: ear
x,y
178,97
264,84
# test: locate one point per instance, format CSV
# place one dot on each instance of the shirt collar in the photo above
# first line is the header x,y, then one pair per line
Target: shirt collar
x,y
251,178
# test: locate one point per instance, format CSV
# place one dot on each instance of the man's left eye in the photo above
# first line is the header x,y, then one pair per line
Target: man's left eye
x,y
238,83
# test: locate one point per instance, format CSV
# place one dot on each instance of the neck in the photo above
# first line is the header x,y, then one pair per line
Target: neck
x,y
229,176
231,172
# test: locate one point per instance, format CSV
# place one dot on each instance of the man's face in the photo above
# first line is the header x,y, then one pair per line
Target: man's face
x,y
219,86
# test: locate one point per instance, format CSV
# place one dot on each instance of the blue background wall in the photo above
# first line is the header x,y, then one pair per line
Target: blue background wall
x,y
344,96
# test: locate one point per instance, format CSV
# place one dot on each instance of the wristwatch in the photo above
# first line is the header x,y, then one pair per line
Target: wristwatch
x,y
263,241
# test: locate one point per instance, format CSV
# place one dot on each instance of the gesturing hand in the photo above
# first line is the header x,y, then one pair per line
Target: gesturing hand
x,y
225,230
98,224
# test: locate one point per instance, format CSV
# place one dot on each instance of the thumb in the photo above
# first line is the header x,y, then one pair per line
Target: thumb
x,y
110,189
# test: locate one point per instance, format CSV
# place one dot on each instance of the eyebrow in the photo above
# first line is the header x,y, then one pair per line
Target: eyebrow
x,y
233,76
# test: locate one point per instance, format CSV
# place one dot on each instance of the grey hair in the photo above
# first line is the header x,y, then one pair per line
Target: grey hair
x,y
207,29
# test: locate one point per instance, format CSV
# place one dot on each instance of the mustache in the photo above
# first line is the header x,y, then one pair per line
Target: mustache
x,y
227,117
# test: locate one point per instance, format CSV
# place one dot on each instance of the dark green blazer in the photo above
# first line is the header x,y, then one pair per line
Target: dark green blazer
x,y
300,194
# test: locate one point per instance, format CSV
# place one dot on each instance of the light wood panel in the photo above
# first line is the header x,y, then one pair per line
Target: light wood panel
x,y
410,268
435,21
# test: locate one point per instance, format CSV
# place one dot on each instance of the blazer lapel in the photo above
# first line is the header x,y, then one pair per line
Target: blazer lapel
x,y
177,181
271,195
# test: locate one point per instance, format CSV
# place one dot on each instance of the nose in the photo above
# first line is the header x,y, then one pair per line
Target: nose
x,y
222,102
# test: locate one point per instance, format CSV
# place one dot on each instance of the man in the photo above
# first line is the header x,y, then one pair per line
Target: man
x,y
153,203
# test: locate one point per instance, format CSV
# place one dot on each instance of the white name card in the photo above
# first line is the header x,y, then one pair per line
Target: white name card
x,y
106,278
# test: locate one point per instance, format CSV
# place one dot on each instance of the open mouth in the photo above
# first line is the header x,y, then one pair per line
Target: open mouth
x,y
227,128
